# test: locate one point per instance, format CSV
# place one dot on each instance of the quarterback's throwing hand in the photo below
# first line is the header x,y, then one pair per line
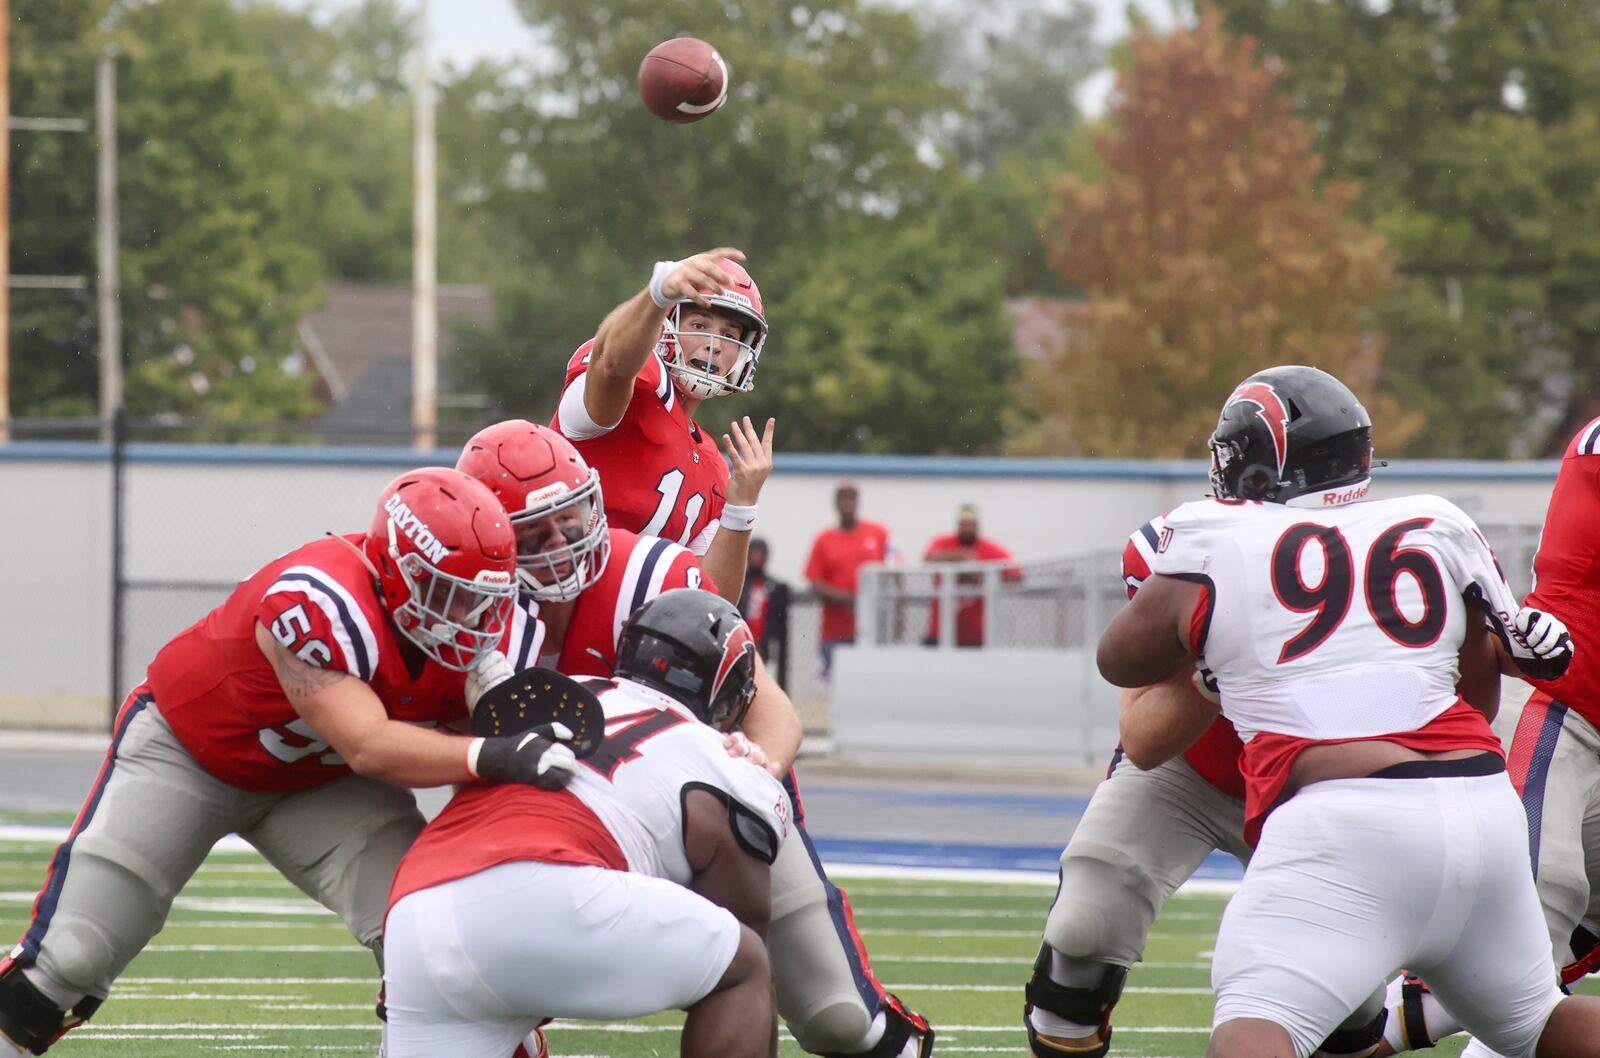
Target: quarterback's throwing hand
x,y
1543,634
749,460
692,276
538,757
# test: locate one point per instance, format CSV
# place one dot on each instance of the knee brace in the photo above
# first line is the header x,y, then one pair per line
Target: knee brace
x,y
27,1016
1085,1006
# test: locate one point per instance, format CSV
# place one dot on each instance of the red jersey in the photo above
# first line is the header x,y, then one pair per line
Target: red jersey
x,y
1215,755
837,556
661,474
639,568
754,605
223,700
969,611
1566,571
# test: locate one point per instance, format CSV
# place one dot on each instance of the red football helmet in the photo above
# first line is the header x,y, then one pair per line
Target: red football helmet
x,y
740,300
446,558
550,492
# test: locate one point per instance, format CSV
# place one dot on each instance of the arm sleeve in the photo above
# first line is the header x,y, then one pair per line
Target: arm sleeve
x,y
702,543
816,564
572,414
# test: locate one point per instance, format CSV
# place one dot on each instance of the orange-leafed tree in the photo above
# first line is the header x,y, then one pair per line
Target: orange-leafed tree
x,y
1207,250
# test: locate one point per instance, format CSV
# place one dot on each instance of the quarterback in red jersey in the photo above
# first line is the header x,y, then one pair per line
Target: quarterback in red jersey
x,y
629,399
294,715
1362,761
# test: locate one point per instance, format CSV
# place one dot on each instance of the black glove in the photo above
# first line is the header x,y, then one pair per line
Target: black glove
x,y
538,757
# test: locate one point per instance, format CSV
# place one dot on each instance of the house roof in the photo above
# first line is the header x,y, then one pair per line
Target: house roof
x,y
360,345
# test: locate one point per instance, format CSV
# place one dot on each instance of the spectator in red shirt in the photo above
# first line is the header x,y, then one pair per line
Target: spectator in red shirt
x,y
965,545
833,569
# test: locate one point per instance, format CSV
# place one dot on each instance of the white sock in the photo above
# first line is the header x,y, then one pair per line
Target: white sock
x,y
874,1033
1435,1018
1055,1025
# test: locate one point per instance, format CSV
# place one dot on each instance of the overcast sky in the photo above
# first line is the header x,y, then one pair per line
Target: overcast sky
x,y
465,30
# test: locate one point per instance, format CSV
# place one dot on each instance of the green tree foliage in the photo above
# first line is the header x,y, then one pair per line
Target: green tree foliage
x,y
820,166
53,367
1474,129
213,280
1206,252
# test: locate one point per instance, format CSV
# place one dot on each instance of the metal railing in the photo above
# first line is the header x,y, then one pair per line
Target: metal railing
x,y
1043,604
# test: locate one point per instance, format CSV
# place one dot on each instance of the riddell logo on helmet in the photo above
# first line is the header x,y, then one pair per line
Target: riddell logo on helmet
x,y
1350,495
415,529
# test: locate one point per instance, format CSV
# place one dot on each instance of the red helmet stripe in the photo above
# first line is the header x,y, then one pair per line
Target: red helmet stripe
x,y
739,642
1273,412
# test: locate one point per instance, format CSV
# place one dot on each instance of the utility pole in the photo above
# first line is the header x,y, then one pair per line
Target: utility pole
x,y
424,265
5,222
109,289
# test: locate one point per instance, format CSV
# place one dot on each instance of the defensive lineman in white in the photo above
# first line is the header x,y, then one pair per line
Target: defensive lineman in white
x,y
641,887
1388,833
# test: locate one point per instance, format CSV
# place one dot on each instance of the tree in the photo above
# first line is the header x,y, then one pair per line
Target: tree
x,y
1206,252
213,281
52,208
894,340
1473,130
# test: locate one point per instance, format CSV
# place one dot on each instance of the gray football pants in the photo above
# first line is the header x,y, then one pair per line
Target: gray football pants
x,y
1143,834
149,821
827,993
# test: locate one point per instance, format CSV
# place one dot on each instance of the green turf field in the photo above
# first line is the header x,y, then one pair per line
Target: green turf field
x,y
247,965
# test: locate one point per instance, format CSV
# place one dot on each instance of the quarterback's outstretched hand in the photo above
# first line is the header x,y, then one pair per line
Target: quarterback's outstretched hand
x,y
1542,634
538,757
691,277
749,460
492,669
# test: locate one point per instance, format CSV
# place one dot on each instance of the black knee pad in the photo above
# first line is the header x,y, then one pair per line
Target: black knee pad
x,y
1355,1041
28,1017
1085,1006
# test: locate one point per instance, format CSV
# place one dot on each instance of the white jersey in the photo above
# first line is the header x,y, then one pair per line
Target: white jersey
x,y
623,809
655,752
1334,622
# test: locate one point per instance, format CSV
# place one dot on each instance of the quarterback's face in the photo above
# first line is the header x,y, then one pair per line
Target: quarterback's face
x,y
701,335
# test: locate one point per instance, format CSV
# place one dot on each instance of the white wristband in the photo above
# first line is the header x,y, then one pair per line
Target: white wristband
x,y
658,279
473,749
739,519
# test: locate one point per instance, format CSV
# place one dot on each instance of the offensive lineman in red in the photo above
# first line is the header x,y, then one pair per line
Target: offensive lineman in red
x,y
629,399
581,577
294,714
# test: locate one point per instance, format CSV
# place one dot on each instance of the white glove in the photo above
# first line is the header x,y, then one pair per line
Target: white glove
x,y
739,746
1541,633
493,669
1205,681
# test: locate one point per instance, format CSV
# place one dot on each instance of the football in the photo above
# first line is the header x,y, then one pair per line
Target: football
x,y
683,80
